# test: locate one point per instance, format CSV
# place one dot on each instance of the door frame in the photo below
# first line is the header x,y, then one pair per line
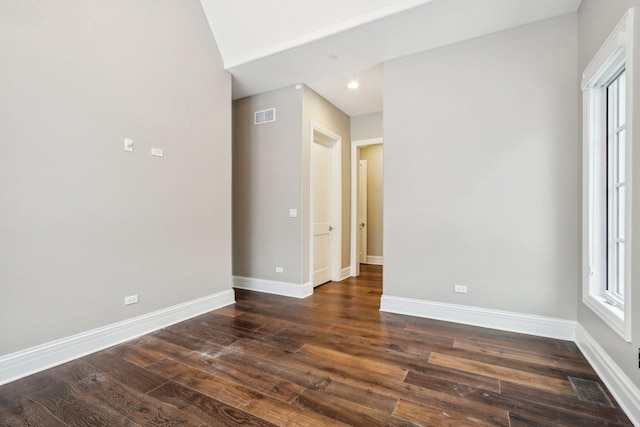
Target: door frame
x,y
335,142
355,158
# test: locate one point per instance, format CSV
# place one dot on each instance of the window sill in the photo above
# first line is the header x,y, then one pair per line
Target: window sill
x,y
611,315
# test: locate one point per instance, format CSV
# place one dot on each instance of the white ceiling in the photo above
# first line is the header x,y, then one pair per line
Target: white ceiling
x,y
268,45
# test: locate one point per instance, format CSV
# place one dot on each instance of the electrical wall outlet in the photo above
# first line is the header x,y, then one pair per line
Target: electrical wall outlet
x,y
131,299
460,289
279,270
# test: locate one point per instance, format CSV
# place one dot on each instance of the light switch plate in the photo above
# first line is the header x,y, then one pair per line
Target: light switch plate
x,y
128,144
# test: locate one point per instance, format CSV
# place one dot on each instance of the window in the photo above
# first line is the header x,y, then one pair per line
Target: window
x,y
615,190
607,187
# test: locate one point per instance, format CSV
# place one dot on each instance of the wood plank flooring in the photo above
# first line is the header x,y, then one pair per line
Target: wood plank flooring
x,y
330,359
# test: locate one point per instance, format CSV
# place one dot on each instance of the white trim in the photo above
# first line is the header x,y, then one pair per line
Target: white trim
x,y
626,393
345,273
365,142
608,55
495,319
336,202
374,259
395,7
355,157
35,359
609,314
284,289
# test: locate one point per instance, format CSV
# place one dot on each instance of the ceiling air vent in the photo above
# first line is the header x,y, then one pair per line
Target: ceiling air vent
x,y
264,116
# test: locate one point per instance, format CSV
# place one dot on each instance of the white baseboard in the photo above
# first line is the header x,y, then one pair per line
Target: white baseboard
x,y
626,393
496,319
345,273
284,289
35,359
376,260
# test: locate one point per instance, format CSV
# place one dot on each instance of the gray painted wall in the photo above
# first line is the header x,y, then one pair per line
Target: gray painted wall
x,y
84,223
373,155
481,172
267,179
271,176
366,126
596,20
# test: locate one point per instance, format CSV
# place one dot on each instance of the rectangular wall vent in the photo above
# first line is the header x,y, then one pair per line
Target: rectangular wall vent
x,y
264,116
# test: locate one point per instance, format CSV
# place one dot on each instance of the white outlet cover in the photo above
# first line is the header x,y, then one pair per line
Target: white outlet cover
x,y
293,213
128,144
132,299
157,152
279,270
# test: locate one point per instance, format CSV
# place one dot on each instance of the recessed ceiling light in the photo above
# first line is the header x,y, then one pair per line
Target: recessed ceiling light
x,y
353,84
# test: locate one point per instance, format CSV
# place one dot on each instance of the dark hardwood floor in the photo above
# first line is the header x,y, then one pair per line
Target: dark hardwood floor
x,y
330,359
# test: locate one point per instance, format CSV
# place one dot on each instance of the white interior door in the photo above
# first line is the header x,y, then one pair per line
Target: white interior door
x,y
362,211
321,209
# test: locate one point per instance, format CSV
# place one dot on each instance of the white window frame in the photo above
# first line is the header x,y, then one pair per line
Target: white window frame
x,y
615,241
613,57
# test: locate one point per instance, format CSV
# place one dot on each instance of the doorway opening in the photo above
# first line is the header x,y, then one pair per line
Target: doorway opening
x,y
363,220
326,205
366,203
